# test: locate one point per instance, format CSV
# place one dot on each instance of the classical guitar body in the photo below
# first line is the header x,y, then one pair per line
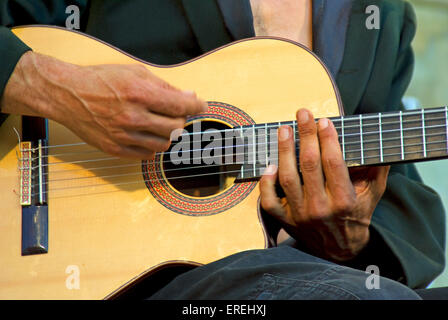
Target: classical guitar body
x,y
111,221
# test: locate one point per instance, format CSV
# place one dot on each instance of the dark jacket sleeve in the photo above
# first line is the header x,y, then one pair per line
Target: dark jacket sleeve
x,y
23,12
408,225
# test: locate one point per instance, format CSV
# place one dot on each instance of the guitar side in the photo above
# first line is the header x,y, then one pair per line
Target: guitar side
x,y
115,234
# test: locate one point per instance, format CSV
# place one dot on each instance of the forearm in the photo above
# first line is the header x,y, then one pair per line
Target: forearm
x,y
11,50
34,87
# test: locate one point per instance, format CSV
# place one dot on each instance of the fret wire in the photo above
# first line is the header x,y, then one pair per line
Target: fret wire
x,y
343,137
401,135
242,139
381,137
254,151
446,125
423,131
266,141
360,138
278,127
295,134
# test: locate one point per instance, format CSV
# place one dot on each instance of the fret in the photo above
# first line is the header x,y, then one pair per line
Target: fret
x,y
343,137
423,133
401,135
242,165
371,140
266,143
413,131
361,139
446,127
294,133
273,145
262,148
381,137
392,137
435,132
254,151
352,141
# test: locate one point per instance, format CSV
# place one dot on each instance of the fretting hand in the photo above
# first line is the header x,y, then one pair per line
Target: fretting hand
x,y
330,212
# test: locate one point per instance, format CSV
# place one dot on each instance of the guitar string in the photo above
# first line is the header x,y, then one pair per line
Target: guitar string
x,y
348,135
214,165
242,154
180,177
245,145
258,136
139,164
335,119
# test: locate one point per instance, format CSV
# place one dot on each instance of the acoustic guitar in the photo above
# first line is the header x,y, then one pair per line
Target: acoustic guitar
x,y
77,223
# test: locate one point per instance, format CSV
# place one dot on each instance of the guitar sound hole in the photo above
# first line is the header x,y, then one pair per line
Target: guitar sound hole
x,y
194,164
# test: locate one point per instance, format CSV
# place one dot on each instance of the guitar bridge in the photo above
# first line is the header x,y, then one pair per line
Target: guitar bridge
x,y
33,198
25,173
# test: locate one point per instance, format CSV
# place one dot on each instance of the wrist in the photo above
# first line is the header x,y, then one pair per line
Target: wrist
x,y
32,88
351,247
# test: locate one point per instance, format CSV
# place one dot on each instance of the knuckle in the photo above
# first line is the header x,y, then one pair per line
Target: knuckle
x,y
344,203
175,125
128,118
284,146
178,108
179,123
307,130
133,93
287,181
268,204
121,137
309,161
111,148
334,163
318,209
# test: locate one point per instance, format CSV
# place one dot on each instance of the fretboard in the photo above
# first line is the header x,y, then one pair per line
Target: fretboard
x,y
365,139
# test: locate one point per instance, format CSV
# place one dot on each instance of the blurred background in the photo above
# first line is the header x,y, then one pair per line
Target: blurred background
x,y
429,87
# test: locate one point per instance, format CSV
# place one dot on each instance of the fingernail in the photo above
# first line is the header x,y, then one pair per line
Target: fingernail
x,y
204,106
270,170
284,133
189,92
323,123
175,134
303,116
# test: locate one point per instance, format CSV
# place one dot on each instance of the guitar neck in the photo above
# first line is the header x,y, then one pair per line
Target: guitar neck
x,y
365,139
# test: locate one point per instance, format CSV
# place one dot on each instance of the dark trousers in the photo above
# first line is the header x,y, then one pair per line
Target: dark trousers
x,y
279,273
